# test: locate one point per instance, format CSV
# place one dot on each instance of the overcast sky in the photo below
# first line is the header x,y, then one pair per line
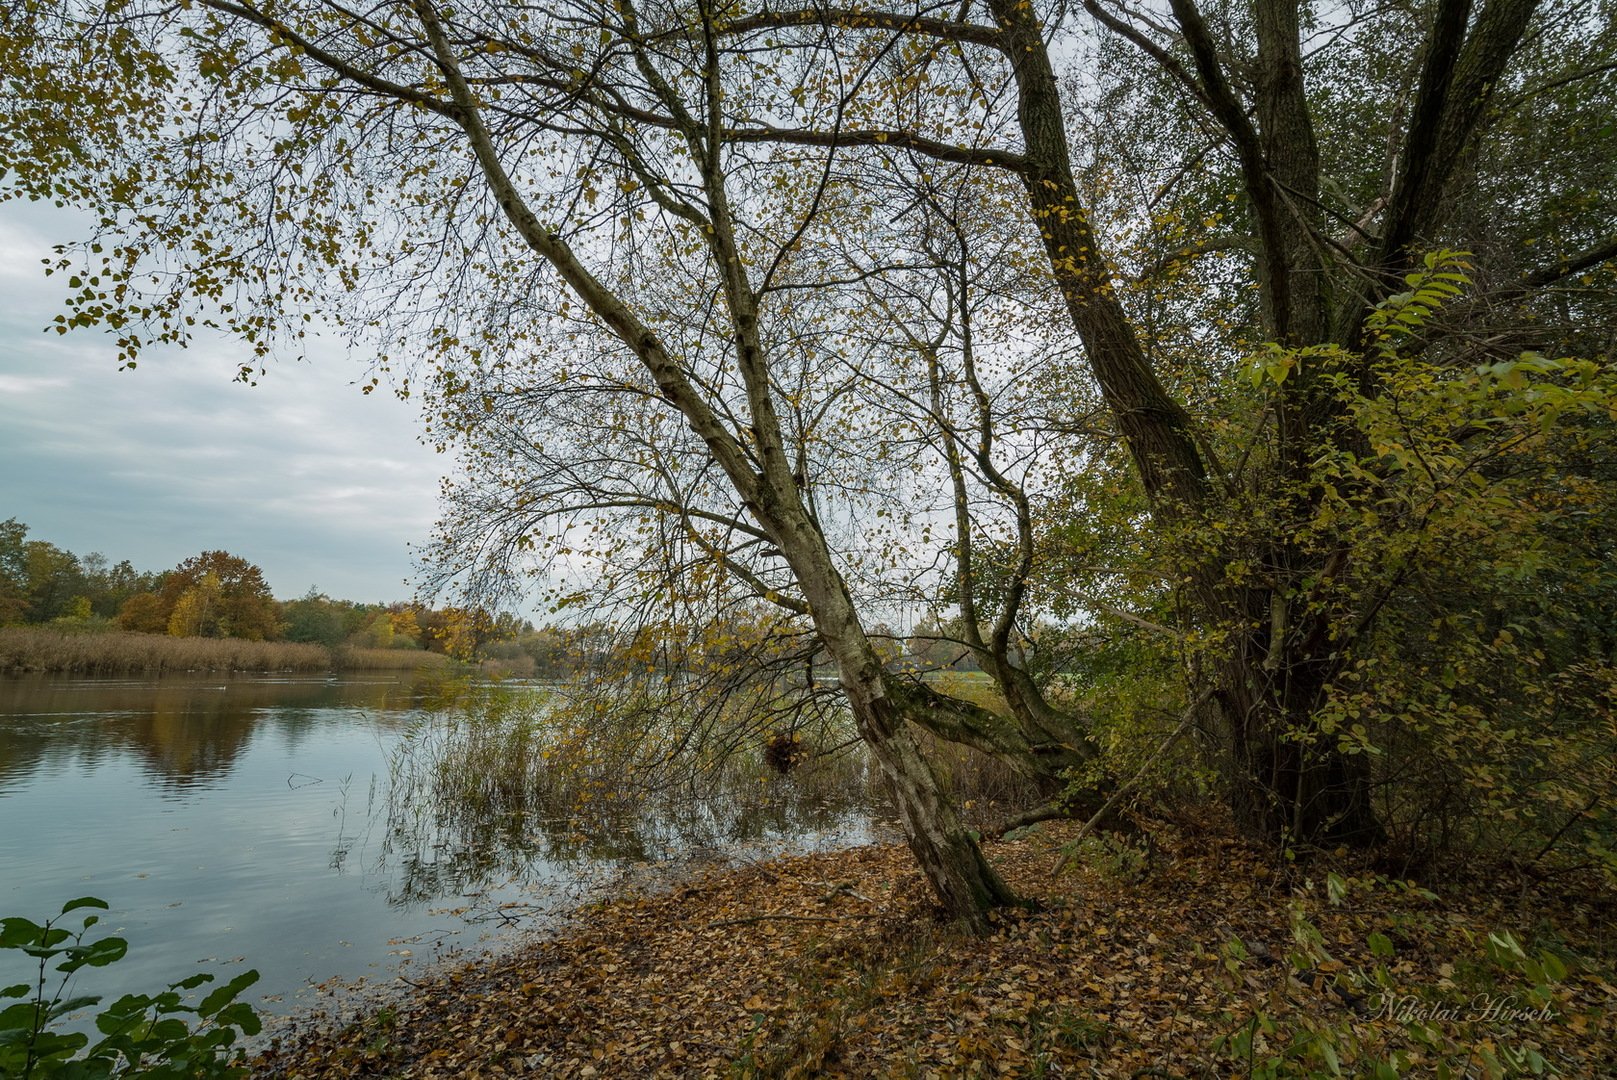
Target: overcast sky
x,y
303,475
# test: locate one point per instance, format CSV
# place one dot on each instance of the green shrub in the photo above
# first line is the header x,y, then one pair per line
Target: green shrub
x,y
141,1034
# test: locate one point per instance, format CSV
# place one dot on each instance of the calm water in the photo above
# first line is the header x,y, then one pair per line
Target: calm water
x,y
292,824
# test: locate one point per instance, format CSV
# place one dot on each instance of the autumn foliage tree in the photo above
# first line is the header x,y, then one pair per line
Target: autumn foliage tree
x,y
13,571
41,582
844,309
216,594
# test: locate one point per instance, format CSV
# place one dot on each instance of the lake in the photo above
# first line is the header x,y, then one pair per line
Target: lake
x,y
304,826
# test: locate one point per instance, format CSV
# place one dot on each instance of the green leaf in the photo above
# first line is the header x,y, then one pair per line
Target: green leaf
x,y
1336,887
85,902
169,1030
242,1016
1505,948
23,1016
16,932
62,1008
93,1068
96,954
118,1019
54,1044
226,993
1328,1052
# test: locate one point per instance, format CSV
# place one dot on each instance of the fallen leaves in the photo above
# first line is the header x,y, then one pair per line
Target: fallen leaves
x,y
833,964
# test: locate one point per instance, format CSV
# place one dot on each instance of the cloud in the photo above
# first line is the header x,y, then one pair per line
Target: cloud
x,y
302,474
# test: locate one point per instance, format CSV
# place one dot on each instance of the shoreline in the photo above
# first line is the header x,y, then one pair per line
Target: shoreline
x,y
44,651
833,963
339,1003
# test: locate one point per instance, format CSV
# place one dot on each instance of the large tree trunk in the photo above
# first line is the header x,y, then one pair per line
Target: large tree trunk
x,y
1289,782
1152,422
1045,758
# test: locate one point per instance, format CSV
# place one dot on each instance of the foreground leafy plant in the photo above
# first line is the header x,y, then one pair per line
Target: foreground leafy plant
x,y
1485,1034
141,1034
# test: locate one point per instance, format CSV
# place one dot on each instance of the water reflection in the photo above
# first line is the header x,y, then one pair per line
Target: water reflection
x,y
186,730
319,827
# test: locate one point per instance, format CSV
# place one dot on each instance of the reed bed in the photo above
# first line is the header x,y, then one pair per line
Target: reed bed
x,y
504,770
347,658
26,649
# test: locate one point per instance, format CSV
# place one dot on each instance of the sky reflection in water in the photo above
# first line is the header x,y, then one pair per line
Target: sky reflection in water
x,y
255,821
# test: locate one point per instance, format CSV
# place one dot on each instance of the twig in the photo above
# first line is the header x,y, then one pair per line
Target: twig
x,y
1556,839
1106,807
834,888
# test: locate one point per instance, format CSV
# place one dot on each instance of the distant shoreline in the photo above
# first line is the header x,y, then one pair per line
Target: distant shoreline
x,y
26,650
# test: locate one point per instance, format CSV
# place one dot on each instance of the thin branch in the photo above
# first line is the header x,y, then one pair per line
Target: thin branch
x,y
331,60
1565,267
869,19
1117,796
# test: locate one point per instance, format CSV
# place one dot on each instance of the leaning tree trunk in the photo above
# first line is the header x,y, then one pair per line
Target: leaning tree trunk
x,y
966,885
766,483
961,877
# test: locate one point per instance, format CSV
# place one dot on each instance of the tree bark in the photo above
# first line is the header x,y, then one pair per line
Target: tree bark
x,y
1045,759
966,885
1155,426
1280,789
1290,783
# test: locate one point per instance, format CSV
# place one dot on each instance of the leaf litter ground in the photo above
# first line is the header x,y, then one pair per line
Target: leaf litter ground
x,y
834,964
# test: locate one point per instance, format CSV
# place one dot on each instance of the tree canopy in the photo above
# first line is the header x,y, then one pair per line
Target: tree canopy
x,y
1208,335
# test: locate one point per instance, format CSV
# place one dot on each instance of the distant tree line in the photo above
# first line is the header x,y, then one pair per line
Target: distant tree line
x,y
41,583
215,594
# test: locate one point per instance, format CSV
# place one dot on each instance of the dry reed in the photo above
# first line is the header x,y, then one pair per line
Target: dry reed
x,y
350,658
41,649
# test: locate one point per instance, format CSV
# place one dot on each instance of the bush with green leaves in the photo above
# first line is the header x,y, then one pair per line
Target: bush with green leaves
x,y
144,1035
